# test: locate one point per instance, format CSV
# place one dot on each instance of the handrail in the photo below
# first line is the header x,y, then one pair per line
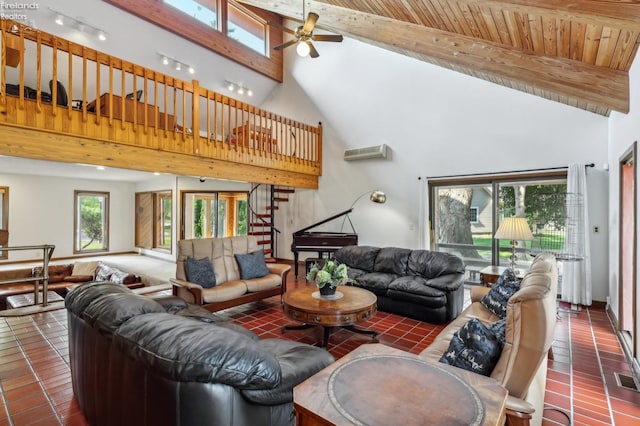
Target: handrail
x,y
172,115
47,252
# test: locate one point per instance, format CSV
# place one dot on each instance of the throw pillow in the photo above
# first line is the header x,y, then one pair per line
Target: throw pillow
x,y
118,276
200,271
473,347
499,328
103,273
252,265
496,299
85,268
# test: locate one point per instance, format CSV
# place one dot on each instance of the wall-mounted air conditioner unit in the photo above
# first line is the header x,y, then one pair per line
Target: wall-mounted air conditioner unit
x,y
377,151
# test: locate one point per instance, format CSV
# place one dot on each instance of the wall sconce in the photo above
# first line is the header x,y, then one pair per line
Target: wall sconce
x,y
79,24
237,87
178,64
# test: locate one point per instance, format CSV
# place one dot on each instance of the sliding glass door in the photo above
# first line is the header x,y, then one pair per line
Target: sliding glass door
x,y
214,214
465,214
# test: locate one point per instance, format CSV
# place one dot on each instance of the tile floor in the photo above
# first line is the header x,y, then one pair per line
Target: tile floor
x,y
35,382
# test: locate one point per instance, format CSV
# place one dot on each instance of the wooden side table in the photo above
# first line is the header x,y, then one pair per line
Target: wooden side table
x,y
490,274
378,385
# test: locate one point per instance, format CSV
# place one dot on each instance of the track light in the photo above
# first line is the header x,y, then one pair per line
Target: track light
x,y
241,89
177,63
303,48
80,24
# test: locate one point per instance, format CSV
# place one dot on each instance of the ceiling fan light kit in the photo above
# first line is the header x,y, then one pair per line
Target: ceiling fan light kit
x,y
303,36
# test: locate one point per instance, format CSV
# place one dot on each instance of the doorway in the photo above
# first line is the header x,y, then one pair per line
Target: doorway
x,y
627,322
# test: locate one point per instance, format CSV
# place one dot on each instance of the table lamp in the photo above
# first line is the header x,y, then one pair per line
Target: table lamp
x,y
514,229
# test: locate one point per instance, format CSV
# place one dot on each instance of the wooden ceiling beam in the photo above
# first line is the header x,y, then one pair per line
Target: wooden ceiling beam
x,y
600,86
616,14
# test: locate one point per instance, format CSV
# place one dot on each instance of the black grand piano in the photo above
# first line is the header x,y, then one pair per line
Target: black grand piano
x,y
321,242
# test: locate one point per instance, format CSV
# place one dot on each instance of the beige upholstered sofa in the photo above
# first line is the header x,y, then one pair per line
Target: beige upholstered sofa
x,y
530,322
230,289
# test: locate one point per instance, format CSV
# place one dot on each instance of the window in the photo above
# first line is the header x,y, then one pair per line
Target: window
x,y
247,29
154,220
163,220
229,28
473,215
205,11
4,215
91,221
465,214
214,214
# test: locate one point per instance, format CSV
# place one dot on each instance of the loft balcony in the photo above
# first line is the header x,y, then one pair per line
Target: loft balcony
x,y
107,111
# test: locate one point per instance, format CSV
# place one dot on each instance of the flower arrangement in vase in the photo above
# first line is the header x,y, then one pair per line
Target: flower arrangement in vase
x,y
328,276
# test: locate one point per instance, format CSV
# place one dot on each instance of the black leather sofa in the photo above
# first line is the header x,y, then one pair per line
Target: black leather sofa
x,y
137,360
419,284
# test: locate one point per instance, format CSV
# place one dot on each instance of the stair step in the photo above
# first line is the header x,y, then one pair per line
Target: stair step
x,y
260,224
263,215
264,242
284,190
272,207
284,200
259,233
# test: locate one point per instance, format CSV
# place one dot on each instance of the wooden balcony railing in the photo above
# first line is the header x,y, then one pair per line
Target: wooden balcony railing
x,y
105,99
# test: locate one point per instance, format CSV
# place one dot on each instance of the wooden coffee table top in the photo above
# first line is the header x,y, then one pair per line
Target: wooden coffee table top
x,y
380,385
355,305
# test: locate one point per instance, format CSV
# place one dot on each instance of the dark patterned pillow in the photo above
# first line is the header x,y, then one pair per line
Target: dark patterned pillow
x,y
499,328
496,299
473,347
506,277
200,271
252,265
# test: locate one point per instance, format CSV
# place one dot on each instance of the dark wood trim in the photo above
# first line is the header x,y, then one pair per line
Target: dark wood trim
x,y
172,20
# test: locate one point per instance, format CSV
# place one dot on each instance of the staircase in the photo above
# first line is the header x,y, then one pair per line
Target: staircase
x,y
264,201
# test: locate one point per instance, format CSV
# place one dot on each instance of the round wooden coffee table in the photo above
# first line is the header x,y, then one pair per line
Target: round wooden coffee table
x,y
351,305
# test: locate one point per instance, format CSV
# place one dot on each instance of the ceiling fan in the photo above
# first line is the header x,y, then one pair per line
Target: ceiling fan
x,y
303,35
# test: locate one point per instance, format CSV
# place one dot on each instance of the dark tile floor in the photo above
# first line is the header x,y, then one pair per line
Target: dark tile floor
x,y
35,382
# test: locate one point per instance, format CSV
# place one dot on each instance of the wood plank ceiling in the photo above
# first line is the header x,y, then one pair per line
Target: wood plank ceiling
x,y
574,52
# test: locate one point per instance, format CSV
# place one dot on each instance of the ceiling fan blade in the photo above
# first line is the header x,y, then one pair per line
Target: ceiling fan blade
x,y
287,44
327,37
310,23
312,50
282,27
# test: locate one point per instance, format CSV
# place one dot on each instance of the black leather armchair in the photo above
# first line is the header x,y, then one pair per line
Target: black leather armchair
x,y
142,361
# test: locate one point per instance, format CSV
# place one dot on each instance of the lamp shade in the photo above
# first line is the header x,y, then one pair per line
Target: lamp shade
x,y
378,197
514,229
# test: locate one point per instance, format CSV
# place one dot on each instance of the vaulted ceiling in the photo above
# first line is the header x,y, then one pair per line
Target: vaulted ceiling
x,y
574,52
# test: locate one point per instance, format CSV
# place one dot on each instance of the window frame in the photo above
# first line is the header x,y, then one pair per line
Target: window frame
x,y
105,221
171,19
231,199
159,220
494,181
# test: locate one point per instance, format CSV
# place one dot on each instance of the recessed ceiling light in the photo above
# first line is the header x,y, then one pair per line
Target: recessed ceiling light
x,y
59,20
100,167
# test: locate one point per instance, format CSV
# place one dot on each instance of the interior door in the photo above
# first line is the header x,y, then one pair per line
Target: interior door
x,y
627,265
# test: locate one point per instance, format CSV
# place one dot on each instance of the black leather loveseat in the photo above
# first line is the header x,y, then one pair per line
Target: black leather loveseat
x,y
142,361
419,284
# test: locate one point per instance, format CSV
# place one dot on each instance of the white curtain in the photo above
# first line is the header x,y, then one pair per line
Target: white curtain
x,y
576,268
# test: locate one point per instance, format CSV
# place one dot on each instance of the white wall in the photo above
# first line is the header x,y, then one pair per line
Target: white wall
x,y
41,212
624,130
437,122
